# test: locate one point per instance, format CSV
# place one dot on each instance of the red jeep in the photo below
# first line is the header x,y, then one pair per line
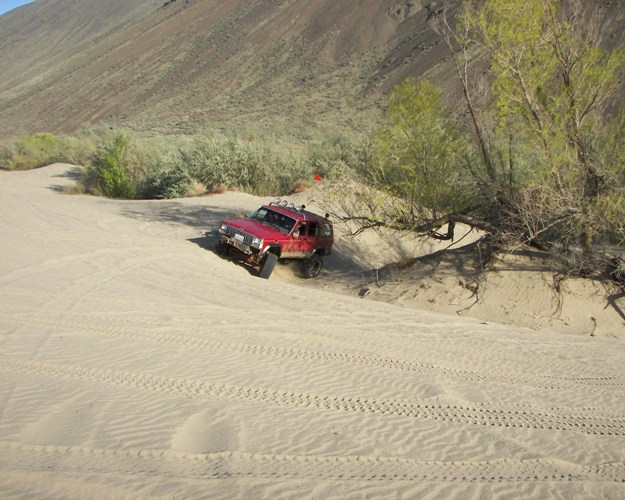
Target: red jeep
x,y
278,231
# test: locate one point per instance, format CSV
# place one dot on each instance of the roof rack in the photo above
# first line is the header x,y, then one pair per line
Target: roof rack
x,y
285,204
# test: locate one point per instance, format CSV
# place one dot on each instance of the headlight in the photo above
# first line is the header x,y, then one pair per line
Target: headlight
x,y
223,228
257,242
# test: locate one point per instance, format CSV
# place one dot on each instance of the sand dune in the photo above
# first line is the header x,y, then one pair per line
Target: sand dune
x,y
137,363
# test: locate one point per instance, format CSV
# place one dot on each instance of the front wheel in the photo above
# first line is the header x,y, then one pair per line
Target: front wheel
x,y
268,264
222,249
312,266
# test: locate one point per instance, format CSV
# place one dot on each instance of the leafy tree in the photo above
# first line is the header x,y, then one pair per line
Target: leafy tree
x,y
109,169
418,152
546,158
551,82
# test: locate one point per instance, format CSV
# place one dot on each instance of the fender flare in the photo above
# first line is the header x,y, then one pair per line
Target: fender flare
x,y
272,248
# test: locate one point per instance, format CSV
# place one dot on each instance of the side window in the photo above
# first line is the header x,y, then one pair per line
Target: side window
x,y
326,230
302,229
314,229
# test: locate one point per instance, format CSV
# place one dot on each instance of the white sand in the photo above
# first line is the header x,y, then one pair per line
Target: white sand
x,y
137,363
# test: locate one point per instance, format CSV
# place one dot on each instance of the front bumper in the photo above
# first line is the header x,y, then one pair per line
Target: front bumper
x,y
239,245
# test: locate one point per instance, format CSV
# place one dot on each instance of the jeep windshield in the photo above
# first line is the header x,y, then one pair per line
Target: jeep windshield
x,y
281,222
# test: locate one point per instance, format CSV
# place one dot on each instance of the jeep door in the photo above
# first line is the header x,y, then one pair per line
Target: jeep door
x,y
304,243
325,238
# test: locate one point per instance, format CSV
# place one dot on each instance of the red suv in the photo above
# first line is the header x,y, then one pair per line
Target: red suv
x,y
278,231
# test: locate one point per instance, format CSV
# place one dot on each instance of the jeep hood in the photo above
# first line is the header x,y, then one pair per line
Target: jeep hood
x,y
256,228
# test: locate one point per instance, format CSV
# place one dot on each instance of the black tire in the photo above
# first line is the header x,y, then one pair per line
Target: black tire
x,y
268,265
311,267
222,249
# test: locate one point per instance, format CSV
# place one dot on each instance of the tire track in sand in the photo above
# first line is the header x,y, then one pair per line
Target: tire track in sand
x,y
589,421
237,464
537,380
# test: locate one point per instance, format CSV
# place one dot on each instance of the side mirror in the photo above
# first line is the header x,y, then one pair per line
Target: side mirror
x,y
296,233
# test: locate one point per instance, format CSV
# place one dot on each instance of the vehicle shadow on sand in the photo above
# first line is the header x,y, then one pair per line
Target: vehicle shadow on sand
x,y
172,212
207,220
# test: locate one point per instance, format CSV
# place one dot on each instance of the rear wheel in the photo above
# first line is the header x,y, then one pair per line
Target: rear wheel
x,y
268,264
312,266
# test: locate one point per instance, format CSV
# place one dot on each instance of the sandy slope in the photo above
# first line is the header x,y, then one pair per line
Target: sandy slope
x,y
135,362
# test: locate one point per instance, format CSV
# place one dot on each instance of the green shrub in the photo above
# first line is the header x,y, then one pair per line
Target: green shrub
x,y
38,150
77,149
108,173
333,156
174,182
258,165
6,155
119,165
31,151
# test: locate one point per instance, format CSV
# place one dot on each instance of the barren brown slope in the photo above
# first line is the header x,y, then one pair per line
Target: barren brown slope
x,y
295,65
182,64
40,36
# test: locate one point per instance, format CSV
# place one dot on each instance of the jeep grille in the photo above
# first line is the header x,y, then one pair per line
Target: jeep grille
x,y
247,238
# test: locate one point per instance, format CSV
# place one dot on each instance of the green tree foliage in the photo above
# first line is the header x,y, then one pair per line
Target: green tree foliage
x,y
551,83
533,155
419,153
109,171
546,162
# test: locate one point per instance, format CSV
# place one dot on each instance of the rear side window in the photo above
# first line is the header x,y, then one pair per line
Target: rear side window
x,y
326,230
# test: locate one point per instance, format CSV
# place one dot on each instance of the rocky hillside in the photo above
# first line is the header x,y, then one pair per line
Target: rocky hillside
x,y
176,65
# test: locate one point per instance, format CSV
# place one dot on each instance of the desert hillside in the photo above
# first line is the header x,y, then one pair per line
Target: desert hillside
x,y
180,64
176,66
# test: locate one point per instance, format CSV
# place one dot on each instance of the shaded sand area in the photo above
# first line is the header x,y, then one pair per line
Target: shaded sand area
x,y
137,363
